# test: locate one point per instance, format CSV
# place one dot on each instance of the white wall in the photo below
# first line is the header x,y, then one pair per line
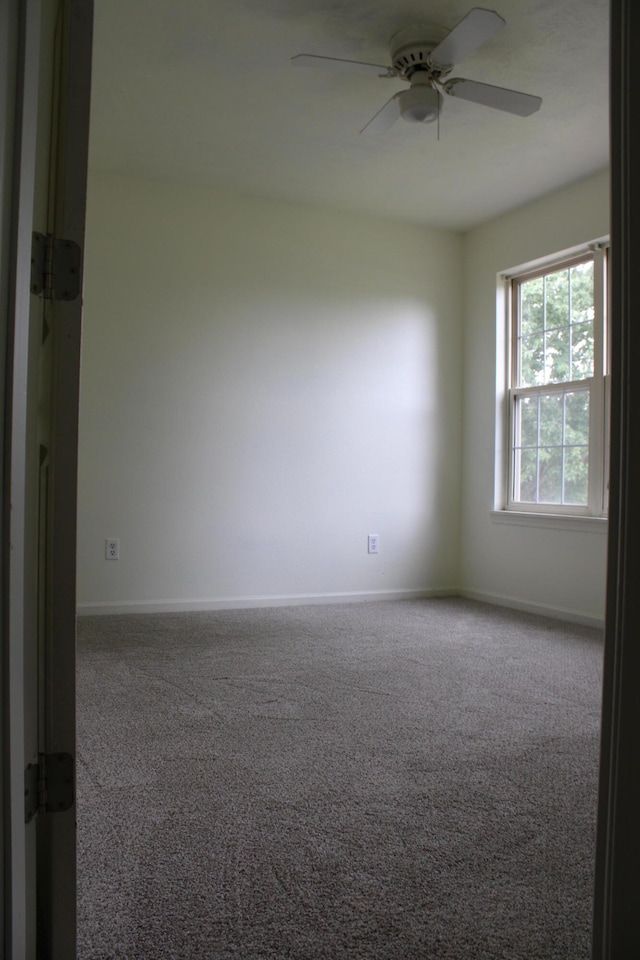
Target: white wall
x,y
547,568
263,385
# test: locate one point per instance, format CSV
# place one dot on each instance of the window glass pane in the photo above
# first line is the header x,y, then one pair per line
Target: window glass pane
x,y
557,299
528,412
581,351
550,475
526,477
576,426
576,475
557,356
551,419
562,304
532,360
531,306
551,452
582,293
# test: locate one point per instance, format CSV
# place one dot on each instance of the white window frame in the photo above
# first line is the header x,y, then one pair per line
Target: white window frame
x,y
509,391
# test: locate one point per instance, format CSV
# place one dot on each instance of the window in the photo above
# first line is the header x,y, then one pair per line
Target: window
x,y
557,387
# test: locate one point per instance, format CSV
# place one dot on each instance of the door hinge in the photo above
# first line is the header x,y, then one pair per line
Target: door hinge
x,y
48,785
55,267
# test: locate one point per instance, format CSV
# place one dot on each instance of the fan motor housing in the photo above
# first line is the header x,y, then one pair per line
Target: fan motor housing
x,y
416,56
411,48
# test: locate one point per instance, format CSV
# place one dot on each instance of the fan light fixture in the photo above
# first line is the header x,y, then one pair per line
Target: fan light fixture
x,y
419,104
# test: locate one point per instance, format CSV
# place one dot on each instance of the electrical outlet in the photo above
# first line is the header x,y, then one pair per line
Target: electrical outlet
x,y
112,549
372,543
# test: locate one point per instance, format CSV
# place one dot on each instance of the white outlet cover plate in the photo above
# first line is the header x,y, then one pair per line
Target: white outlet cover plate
x,y
112,548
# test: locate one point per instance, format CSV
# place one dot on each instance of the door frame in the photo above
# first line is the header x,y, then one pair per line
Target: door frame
x,y
19,122
56,834
38,876
616,930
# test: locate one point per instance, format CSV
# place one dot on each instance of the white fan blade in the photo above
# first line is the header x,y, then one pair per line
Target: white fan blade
x,y
384,118
522,104
473,30
334,63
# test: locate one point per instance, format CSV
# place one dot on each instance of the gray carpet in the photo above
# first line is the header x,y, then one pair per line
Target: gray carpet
x,y
406,779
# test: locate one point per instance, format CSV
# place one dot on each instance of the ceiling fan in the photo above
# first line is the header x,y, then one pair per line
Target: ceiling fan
x,y
425,63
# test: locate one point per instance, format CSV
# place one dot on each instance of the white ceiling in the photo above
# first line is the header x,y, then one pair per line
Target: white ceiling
x,y
202,91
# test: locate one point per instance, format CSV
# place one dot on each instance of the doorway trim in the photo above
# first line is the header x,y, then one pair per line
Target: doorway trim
x,y
616,931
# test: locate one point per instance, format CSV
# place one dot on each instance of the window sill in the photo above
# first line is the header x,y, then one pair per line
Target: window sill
x,y
555,521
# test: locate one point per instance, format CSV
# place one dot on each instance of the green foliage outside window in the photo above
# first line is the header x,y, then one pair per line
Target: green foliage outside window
x,y
556,335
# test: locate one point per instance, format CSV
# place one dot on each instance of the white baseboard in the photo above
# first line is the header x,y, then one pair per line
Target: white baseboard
x,y
107,607
558,613
241,603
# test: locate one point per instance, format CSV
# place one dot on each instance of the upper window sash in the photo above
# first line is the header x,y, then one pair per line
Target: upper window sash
x,y
515,320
